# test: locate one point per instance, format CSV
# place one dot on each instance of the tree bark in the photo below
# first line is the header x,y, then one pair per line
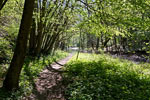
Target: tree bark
x,y
41,28
97,44
12,78
32,40
52,43
2,4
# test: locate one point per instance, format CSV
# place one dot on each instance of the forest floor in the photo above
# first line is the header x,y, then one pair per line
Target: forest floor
x,y
49,85
132,57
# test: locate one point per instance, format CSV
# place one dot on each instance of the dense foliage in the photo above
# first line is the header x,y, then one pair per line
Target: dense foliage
x,y
101,77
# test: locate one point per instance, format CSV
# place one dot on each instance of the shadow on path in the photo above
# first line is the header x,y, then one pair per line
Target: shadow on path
x,y
49,84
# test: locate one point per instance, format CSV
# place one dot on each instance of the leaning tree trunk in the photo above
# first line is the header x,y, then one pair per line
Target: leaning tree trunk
x,y
12,78
2,3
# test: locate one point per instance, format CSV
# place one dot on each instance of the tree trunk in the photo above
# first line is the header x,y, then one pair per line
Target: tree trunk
x,y
51,44
97,44
12,78
2,4
47,41
62,46
115,43
41,28
32,40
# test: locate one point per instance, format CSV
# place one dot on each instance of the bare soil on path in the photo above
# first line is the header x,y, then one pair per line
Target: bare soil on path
x,y
49,85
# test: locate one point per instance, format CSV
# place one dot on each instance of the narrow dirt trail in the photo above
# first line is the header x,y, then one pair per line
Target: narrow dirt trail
x,y
49,84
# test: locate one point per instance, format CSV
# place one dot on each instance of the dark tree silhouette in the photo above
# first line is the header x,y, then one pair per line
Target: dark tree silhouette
x,y
12,78
2,3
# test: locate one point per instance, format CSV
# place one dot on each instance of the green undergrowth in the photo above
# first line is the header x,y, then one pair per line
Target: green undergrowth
x,y
30,72
101,77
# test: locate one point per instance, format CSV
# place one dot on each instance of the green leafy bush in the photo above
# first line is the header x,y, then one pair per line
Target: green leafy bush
x,y
102,77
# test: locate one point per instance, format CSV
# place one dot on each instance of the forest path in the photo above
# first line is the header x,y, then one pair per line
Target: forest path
x,y
49,84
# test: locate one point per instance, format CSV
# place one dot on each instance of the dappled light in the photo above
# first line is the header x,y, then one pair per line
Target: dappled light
x,y
74,49
103,78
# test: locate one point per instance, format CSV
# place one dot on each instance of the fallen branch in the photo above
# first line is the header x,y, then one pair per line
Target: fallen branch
x,y
58,63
